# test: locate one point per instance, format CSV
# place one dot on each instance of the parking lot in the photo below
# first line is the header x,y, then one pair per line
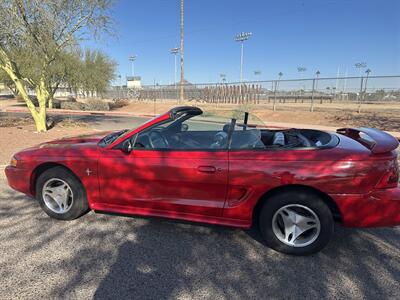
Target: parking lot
x,y
105,256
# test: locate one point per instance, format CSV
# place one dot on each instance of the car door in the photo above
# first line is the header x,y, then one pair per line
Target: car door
x,y
162,181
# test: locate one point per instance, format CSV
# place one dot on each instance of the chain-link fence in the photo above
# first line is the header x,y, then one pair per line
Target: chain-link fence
x,y
359,90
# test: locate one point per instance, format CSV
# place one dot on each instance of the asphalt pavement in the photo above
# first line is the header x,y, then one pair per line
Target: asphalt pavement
x,y
101,256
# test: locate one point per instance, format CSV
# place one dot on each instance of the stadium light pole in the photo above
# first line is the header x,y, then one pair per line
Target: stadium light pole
x,y
132,59
241,37
175,51
360,66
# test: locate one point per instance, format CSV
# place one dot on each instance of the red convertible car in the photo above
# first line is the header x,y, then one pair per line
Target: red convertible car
x,y
292,183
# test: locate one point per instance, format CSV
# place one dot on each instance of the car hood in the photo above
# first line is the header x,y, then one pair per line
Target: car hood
x,y
70,146
93,138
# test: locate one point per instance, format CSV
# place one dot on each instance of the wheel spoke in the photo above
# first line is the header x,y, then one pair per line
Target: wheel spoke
x,y
291,222
305,223
57,194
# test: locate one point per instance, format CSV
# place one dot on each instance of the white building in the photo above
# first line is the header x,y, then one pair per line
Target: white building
x,y
133,82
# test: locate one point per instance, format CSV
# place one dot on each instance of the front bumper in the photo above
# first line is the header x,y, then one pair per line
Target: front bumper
x,y
379,208
18,179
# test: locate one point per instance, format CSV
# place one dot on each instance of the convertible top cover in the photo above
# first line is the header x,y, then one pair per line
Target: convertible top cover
x,y
190,110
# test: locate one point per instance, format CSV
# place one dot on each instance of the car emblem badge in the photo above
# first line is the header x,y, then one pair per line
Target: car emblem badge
x,y
88,172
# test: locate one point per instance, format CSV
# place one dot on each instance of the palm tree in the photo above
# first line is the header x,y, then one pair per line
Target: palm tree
x,y
366,79
316,82
301,70
223,77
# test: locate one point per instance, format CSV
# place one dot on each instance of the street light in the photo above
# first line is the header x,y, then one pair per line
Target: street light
x,y
241,37
175,51
132,59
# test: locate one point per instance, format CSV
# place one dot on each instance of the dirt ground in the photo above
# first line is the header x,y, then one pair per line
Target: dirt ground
x,y
14,139
383,116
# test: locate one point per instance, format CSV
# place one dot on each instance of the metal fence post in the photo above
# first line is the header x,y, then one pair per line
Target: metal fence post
x,y
312,96
274,105
360,95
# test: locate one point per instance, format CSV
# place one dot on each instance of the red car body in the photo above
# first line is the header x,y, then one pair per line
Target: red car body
x,y
358,177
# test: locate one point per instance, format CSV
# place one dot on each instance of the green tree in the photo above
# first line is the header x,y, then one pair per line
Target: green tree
x,y
34,34
97,71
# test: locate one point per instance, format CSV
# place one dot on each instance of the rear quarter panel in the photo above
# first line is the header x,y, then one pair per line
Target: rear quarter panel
x,y
332,171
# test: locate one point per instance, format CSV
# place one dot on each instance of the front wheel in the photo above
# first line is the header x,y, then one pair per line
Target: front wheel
x,y
296,223
60,194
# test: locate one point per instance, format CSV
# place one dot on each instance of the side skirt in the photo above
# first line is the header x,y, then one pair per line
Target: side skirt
x,y
131,212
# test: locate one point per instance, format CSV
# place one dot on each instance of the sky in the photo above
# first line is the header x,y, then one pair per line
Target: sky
x,y
324,35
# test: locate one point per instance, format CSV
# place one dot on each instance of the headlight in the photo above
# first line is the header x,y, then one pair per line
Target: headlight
x,y
13,162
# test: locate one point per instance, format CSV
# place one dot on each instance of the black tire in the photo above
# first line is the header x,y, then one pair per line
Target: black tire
x,y
304,198
79,204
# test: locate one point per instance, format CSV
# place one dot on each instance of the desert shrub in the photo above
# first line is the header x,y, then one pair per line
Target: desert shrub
x,y
71,99
57,103
118,103
72,105
97,105
33,98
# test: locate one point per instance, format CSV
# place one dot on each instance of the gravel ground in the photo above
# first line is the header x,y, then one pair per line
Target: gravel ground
x,y
101,256
105,256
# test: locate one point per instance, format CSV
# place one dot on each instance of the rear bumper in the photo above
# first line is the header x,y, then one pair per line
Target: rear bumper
x,y
18,179
377,209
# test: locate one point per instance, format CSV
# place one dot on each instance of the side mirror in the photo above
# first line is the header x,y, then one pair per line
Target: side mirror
x,y
184,127
127,146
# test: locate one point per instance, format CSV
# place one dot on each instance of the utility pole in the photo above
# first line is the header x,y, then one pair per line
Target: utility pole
x,y
182,95
132,59
241,37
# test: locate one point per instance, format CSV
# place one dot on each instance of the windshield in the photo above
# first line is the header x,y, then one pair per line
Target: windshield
x,y
112,137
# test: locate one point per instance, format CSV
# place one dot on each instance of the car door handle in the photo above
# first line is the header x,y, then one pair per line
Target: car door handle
x,y
207,169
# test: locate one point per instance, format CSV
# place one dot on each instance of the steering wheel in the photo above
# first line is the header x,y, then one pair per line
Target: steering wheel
x,y
157,140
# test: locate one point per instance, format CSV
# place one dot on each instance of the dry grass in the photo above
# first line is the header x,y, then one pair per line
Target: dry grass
x,y
15,122
71,123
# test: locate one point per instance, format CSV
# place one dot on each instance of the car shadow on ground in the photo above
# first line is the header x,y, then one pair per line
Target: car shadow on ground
x,y
106,257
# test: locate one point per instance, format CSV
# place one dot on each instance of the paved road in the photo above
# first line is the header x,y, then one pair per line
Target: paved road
x,y
105,256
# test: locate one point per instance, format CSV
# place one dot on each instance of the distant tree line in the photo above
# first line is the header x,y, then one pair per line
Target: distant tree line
x,y
86,72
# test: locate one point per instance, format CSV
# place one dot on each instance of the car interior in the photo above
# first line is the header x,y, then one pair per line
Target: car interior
x,y
178,135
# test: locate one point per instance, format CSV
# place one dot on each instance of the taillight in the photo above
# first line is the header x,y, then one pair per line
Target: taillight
x,y
389,179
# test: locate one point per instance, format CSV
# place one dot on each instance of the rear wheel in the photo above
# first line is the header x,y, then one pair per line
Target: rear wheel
x,y
60,194
296,222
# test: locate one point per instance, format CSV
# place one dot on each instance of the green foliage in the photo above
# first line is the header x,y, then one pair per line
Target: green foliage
x,y
96,72
37,39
